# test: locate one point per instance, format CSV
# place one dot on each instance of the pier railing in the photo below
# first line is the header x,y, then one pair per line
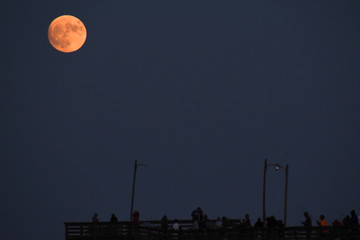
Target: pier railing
x,y
152,230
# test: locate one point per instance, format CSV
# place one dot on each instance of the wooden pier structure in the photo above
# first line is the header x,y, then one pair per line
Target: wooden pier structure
x,y
152,230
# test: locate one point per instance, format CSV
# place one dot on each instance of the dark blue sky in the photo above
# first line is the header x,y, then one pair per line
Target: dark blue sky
x,y
202,91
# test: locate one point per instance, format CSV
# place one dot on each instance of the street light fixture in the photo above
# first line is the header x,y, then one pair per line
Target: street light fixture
x,y
277,167
133,188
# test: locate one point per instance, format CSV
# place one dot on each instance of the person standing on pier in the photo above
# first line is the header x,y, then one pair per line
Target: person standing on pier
x,y
197,217
247,221
113,218
136,216
307,224
323,223
164,224
95,218
354,219
176,225
95,221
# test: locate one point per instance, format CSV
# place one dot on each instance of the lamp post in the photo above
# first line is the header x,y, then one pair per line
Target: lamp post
x,y
133,188
277,167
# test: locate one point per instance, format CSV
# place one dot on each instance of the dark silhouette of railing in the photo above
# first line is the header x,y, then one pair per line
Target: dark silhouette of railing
x,y
152,230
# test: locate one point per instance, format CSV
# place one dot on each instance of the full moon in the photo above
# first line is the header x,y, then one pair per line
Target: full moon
x,y
67,33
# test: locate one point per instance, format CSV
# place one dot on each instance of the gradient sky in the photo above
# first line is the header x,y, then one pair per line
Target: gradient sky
x,y
202,91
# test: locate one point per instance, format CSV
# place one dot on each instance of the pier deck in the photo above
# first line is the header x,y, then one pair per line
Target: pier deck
x,y
151,230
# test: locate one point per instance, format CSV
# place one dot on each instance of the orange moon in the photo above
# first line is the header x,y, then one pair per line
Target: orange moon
x,y
67,33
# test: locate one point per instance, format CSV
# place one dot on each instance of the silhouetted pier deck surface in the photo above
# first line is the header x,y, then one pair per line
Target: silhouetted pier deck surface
x,y
151,230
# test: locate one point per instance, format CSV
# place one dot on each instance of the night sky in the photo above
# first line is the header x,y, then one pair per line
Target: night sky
x,y
201,91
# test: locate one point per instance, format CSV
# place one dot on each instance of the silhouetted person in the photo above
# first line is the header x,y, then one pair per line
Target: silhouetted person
x,y
197,217
354,219
336,223
307,224
164,223
112,227
95,221
271,222
135,221
218,223
136,217
95,218
113,218
247,222
204,222
176,225
280,226
335,231
258,223
323,223
225,222
346,221
308,221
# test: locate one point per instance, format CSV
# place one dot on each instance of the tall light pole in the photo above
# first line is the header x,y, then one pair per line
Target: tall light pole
x,y
286,192
277,167
133,189
264,192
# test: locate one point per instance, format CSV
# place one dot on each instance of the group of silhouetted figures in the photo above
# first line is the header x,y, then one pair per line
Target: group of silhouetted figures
x,y
263,229
271,228
201,221
351,220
